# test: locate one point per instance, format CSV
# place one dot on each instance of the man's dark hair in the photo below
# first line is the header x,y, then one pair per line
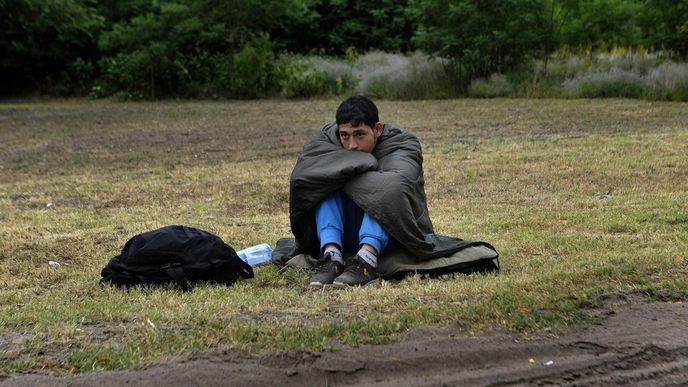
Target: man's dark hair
x,y
357,110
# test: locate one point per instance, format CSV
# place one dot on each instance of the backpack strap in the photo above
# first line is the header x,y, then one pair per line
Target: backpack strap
x,y
244,269
176,272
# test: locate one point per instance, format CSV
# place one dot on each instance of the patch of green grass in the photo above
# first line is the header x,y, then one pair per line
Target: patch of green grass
x,y
580,197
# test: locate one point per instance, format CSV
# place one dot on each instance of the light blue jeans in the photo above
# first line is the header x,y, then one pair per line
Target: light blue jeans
x,y
340,221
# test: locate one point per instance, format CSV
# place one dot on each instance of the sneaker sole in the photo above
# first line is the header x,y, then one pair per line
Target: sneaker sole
x,y
318,285
342,285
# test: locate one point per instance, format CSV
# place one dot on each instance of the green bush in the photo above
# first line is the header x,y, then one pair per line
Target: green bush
x,y
143,74
614,87
46,46
496,85
618,73
300,79
79,76
395,76
204,75
615,83
669,81
253,68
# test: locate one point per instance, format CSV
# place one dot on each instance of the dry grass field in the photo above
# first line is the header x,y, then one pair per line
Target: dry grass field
x,y
580,197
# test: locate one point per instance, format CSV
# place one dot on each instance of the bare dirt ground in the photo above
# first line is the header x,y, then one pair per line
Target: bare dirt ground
x,y
637,342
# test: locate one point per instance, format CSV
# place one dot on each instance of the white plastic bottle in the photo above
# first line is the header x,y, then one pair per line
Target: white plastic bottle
x,y
255,255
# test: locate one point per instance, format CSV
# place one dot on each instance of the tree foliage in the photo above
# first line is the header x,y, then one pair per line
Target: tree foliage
x,y
333,26
665,25
190,48
481,37
39,39
600,24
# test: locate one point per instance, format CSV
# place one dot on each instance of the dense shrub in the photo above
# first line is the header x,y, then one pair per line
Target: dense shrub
x,y
253,68
203,48
668,81
619,73
613,83
377,74
80,74
46,45
496,85
299,78
482,37
145,73
395,76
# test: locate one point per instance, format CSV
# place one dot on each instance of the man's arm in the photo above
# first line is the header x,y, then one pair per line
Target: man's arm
x,y
394,194
323,168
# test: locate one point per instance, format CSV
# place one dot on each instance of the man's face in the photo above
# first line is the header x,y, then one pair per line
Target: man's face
x,y
362,137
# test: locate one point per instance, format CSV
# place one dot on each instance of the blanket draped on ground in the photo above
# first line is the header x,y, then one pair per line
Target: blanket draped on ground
x,y
388,185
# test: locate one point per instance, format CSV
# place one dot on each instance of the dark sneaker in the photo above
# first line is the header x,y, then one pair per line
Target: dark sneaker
x,y
327,272
359,273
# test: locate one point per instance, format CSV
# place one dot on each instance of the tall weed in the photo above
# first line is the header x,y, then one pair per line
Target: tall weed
x,y
378,74
396,76
618,73
497,85
303,77
613,83
252,68
668,81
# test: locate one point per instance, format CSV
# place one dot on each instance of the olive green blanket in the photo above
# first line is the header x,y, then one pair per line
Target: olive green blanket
x,y
387,184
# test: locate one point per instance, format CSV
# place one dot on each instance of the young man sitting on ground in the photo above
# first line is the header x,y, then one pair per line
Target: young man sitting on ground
x,y
343,227
357,200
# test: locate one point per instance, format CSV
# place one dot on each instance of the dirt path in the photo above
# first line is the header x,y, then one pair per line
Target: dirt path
x,y
639,343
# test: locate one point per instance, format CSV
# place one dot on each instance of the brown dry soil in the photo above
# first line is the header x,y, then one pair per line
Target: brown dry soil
x,y
636,342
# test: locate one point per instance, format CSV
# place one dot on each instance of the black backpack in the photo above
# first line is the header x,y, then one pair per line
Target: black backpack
x,y
175,254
